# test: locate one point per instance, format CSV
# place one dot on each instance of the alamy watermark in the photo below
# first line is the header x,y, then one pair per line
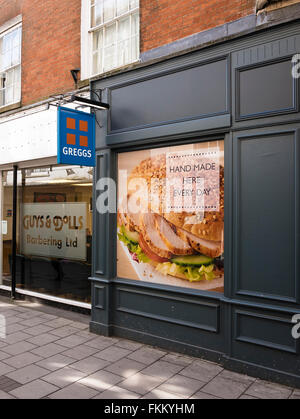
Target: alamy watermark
x,y
296,328
296,66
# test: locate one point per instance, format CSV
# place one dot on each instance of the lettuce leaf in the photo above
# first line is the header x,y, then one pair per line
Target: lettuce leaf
x,y
191,273
133,248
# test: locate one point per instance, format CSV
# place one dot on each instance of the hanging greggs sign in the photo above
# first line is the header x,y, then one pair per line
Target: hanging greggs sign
x,y
76,137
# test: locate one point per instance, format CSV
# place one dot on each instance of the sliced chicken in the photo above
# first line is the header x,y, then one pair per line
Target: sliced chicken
x,y
133,214
206,247
168,234
152,237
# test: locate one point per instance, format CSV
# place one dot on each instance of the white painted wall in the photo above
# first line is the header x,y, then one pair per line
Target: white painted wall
x,y
29,137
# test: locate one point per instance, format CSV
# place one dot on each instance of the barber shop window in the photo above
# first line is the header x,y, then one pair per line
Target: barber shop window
x,y
171,216
54,231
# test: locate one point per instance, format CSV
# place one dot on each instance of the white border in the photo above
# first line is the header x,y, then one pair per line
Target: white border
x,y
49,297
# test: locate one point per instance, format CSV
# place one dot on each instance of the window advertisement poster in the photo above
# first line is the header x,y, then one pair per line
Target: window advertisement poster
x,y
55,230
171,215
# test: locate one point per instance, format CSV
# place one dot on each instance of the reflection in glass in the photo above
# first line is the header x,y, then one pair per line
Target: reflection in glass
x,y
54,231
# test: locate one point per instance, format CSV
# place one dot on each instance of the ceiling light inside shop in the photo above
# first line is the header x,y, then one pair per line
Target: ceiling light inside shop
x,y
82,184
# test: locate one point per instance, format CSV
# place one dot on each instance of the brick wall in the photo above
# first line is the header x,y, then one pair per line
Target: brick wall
x,y
50,47
9,9
50,44
165,21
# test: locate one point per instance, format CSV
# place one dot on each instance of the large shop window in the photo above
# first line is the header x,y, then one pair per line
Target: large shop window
x,y
171,216
54,231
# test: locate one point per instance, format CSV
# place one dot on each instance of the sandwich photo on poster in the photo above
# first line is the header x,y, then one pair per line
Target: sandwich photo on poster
x,y
171,215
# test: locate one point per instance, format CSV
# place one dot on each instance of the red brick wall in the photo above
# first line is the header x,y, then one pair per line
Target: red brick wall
x,y
165,21
50,47
50,44
9,9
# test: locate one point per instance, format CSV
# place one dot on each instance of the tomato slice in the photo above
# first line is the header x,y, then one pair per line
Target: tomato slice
x,y
146,249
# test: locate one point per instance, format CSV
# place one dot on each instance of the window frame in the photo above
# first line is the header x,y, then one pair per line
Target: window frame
x,y
5,30
87,38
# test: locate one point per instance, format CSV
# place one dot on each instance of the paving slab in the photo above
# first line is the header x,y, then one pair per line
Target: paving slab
x,y
8,384
5,396
18,348
125,367
64,331
159,394
22,360
113,353
295,395
15,337
140,383
146,355
267,390
128,344
80,352
48,350
64,377
35,390
3,355
72,341
43,339
101,380
202,370
74,391
30,373
116,392
162,369
90,364
5,369
38,330
182,386
55,362
225,388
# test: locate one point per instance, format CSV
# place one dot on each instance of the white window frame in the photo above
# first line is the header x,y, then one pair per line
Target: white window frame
x,y
5,29
87,38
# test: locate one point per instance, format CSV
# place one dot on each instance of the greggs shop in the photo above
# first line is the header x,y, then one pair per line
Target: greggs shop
x,y
46,211
196,233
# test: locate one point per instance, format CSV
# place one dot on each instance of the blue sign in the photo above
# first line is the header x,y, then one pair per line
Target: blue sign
x,y
75,137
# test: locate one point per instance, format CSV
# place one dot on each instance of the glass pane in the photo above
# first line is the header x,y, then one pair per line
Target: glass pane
x,y
2,103
54,231
124,29
133,4
135,26
9,78
135,48
124,41
171,216
110,47
97,13
17,84
122,7
110,35
109,10
123,52
9,95
97,51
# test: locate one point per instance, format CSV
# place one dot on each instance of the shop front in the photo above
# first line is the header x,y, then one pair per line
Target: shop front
x,y
197,244
46,213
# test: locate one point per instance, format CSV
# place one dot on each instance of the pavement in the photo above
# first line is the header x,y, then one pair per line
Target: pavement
x,y
49,353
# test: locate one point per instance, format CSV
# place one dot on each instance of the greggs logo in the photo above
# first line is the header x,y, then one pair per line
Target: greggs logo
x,y
77,138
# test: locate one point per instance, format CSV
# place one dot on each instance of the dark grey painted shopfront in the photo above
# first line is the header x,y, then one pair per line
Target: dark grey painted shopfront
x,y
241,90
